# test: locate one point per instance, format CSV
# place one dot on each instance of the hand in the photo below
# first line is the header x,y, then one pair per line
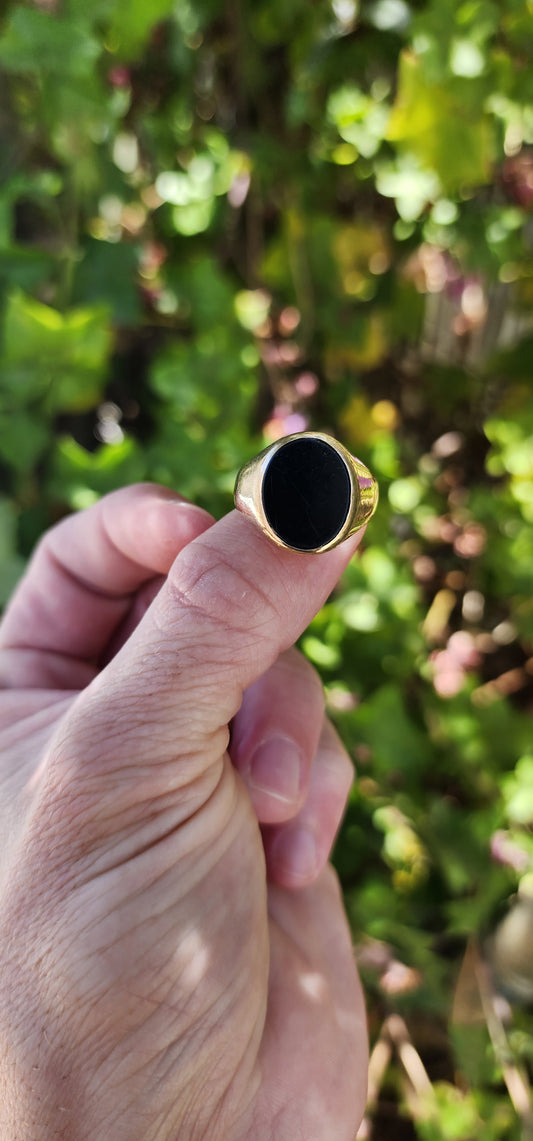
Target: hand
x,y
161,978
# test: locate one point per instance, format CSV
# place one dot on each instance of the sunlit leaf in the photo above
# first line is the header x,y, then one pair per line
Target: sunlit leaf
x,y
443,126
58,357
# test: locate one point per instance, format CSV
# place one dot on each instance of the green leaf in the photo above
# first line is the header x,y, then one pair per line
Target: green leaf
x,y
78,475
443,125
61,358
396,741
24,267
106,274
42,43
23,439
132,21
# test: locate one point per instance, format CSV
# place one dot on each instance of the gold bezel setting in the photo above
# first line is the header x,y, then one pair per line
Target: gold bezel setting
x,y
363,491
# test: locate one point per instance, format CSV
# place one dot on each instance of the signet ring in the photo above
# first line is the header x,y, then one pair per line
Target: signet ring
x,y
306,492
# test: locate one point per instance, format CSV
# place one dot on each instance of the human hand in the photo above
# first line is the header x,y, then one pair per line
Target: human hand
x,y
161,978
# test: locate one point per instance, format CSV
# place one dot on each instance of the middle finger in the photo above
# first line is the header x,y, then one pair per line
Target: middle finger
x,y
275,736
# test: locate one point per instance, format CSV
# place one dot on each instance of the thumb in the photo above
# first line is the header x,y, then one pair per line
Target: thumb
x,y
156,718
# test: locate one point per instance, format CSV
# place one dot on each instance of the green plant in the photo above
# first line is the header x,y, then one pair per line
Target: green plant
x,y
218,226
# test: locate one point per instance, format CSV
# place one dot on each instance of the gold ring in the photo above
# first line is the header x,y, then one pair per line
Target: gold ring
x,y
306,492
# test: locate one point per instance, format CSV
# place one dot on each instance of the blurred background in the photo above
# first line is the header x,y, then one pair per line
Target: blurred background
x,y
224,222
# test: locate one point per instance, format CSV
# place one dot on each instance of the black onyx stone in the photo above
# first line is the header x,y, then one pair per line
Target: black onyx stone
x,y
306,493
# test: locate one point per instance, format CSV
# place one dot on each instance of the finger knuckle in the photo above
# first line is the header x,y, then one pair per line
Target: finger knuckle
x,y
221,594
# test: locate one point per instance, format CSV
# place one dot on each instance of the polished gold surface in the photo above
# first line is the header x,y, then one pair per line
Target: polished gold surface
x,y
364,491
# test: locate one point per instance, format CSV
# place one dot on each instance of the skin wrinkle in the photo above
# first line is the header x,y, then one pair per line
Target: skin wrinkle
x,y
253,1044
188,575
289,598
157,879
188,1124
84,1030
198,641
103,736
45,553
204,650
55,824
151,1064
167,766
171,774
144,1061
130,1103
35,719
95,732
160,1004
209,1032
209,697
214,1016
142,818
84,843
205,643
38,603
161,837
85,1021
168,775
79,880
99,518
222,1013
48,669
77,580
203,860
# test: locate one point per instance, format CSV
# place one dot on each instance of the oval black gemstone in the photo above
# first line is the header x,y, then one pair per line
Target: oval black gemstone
x,y
306,493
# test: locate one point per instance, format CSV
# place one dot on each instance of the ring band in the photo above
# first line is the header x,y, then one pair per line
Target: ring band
x,y
306,492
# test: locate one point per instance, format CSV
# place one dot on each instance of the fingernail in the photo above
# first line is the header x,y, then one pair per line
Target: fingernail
x,y
295,852
276,768
187,508
161,512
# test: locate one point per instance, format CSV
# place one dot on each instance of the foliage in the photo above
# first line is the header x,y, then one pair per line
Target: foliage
x,y
220,225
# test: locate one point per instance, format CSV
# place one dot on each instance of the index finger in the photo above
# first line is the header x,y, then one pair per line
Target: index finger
x,y
83,576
